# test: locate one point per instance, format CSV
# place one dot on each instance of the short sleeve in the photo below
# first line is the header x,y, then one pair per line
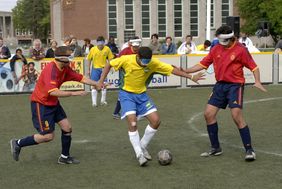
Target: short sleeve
x,y
207,61
117,63
162,68
247,60
71,75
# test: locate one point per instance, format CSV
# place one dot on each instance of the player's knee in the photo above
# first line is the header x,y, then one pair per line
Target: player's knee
x,y
156,124
133,124
48,137
208,116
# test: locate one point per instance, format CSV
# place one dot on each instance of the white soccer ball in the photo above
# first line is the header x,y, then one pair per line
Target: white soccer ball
x,y
164,157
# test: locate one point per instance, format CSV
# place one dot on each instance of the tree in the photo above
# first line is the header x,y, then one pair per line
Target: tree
x,y
34,16
254,11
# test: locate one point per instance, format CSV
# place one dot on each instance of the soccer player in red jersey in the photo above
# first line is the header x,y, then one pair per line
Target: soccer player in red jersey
x,y
229,58
46,108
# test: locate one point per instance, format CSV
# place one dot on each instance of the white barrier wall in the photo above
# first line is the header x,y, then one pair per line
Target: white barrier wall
x,y
280,68
263,60
158,80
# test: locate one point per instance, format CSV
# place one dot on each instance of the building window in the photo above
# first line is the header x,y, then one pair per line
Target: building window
x,y
162,18
212,14
128,7
112,18
194,20
178,18
224,10
145,18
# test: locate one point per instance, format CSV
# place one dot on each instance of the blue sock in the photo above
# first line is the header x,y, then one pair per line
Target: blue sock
x,y
213,135
118,107
66,143
27,141
246,137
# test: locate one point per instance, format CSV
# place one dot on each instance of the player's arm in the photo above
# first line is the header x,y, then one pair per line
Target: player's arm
x,y
195,77
88,81
104,74
60,93
195,68
258,84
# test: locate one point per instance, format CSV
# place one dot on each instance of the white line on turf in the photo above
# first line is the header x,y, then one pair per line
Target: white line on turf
x,y
203,134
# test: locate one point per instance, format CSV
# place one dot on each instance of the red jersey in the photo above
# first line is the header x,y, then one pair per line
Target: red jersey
x,y
229,62
51,78
126,51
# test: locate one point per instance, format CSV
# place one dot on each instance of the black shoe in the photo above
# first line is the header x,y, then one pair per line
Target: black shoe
x,y
116,116
68,160
15,149
212,152
250,155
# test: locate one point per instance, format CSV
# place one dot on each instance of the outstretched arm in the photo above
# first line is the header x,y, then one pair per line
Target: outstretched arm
x,y
195,78
257,80
105,72
59,93
194,69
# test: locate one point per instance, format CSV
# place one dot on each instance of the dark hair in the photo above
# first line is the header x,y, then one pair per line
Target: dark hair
x,y
17,50
207,43
168,37
155,35
1,38
100,38
145,52
223,30
31,63
62,51
189,36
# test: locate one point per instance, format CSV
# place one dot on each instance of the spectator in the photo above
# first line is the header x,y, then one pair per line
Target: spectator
x,y
168,47
128,43
36,52
111,44
278,47
4,51
246,41
214,42
155,46
76,49
29,76
86,47
51,51
188,46
204,46
18,56
67,41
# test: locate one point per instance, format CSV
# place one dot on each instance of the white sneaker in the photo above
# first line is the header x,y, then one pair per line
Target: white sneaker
x,y
142,160
104,103
94,105
146,154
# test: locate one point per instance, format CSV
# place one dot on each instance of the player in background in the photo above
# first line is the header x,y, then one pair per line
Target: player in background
x,y
98,57
229,58
46,108
132,49
138,71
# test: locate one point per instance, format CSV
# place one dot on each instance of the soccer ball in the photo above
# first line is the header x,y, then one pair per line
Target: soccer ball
x,y
164,157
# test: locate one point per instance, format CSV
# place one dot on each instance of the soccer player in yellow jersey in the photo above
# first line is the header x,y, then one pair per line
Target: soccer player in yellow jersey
x,y
98,57
137,71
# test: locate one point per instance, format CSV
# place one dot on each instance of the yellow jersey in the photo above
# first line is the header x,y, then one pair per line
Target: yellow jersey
x,y
100,57
135,78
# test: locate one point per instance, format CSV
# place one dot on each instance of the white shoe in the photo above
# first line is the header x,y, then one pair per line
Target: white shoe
x,y
104,103
146,154
142,160
94,105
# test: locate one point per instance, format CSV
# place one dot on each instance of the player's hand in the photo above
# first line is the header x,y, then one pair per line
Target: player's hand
x,y
198,76
79,93
260,87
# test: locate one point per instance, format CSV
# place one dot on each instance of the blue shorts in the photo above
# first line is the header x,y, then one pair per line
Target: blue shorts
x,y
45,117
96,74
138,104
227,93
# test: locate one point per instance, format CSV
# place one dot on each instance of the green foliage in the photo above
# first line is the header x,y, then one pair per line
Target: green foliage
x,y
34,16
253,11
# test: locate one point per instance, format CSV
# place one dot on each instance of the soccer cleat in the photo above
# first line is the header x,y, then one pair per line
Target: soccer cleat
x,y
212,152
104,103
142,160
116,116
15,149
146,154
68,160
250,155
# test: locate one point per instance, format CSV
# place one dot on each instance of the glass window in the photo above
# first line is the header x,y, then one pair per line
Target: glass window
x,y
145,18
128,13
178,18
112,18
162,18
194,19
224,10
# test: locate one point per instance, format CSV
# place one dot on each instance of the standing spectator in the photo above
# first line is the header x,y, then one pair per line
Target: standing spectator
x,y
205,46
168,47
4,50
278,47
112,45
155,46
188,46
51,51
18,56
86,47
36,51
97,59
247,42
29,76
229,58
76,49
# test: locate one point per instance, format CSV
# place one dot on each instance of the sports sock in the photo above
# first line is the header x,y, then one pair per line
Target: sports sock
x,y
213,135
148,135
94,96
246,137
27,141
66,143
103,96
135,142
117,108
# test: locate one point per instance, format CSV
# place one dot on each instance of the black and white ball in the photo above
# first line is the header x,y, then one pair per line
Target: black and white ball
x,y
164,157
